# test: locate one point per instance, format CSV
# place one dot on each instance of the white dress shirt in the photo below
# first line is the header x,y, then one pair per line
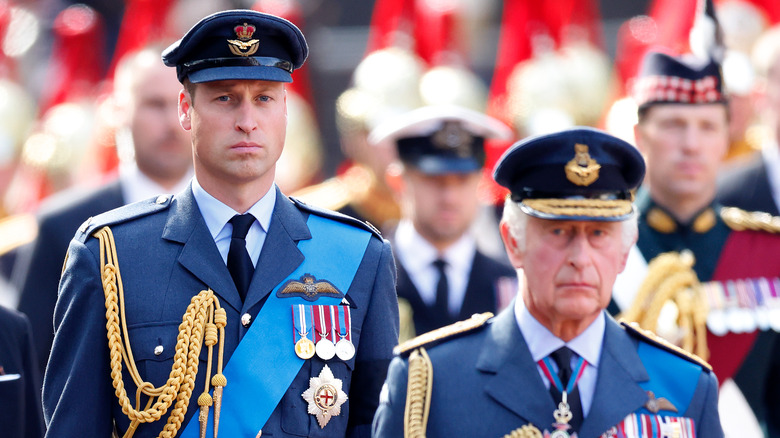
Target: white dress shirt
x,y
587,345
136,186
217,216
771,153
417,255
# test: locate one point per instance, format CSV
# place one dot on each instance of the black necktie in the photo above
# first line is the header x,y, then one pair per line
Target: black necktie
x,y
442,290
238,261
562,358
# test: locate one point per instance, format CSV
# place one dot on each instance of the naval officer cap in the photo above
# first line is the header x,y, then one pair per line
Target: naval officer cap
x,y
238,44
576,174
441,139
678,79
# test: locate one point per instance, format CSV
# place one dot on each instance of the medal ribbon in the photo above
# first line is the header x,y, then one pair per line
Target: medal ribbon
x,y
301,322
576,373
321,316
334,252
344,323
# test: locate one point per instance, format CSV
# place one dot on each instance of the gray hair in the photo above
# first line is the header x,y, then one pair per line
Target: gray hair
x,y
517,221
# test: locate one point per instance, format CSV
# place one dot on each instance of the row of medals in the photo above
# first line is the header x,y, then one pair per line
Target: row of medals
x,y
324,349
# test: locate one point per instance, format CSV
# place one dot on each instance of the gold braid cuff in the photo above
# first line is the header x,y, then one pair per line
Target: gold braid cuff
x,y
418,394
581,207
204,317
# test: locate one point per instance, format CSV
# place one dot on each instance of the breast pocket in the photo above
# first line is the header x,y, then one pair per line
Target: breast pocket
x,y
154,348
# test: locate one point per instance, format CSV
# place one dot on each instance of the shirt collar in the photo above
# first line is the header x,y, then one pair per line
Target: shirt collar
x,y
541,342
217,214
416,253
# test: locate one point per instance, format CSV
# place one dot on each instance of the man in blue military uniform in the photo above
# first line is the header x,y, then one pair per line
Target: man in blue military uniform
x,y
229,300
682,131
20,381
555,362
443,277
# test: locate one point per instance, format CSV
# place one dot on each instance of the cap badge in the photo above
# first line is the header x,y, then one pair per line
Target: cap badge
x,y
309,288
325,396
582,169
244,45
452,136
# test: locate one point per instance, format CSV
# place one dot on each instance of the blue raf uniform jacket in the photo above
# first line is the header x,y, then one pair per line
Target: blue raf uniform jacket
x,y
486,384
166,255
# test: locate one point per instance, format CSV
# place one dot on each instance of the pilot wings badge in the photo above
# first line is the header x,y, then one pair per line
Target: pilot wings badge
x,y
309,288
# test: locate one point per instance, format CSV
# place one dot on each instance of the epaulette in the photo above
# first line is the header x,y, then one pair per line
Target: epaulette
x,y
124,214
17,230
331,194
336,216
740,220
651,338
434,336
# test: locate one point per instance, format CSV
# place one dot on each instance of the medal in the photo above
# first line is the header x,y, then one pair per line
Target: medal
x,y
323,327
304,347
345,349
325,396
562,415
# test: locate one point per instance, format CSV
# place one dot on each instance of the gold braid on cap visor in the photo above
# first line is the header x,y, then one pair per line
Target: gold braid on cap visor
x,y
580,207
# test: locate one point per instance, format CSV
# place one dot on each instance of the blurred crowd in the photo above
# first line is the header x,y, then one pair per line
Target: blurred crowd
x,y
64,115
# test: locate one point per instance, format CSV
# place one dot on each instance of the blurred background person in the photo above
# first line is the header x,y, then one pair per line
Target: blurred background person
x,y
20,382
442,275
755,184
683,132
155,158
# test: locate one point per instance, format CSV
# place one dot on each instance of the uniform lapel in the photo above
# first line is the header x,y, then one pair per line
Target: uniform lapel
x,y
617,388
514,381
199,255
280,255
480,290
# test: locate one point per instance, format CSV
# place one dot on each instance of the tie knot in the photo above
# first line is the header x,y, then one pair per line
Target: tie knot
x,y
241,224
440,264
562,358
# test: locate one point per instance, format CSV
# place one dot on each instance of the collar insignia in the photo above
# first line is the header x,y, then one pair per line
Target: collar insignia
x,y
244,45
582,170
308,288
452,136
324,396
662,222
658,404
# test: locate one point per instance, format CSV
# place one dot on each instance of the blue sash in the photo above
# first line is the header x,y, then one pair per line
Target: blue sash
x,y
674,379
264,363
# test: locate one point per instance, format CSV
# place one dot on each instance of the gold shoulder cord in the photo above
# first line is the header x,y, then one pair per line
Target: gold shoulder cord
x,y
418,394
204,318
671,279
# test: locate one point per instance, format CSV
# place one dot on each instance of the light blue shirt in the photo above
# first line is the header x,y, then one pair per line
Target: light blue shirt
x,y
587,345
216,214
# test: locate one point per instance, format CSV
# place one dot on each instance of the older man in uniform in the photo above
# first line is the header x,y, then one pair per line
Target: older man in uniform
x,y
443,277
230,300
555,362
682,131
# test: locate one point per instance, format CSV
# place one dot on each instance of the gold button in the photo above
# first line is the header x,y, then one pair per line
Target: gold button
x,y
246,319
158,350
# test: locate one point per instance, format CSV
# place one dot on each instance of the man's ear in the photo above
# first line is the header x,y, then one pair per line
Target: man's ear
x,y
510,243
185,106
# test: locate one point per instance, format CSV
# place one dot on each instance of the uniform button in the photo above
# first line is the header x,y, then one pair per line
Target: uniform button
x,y
162,199
158,350
246,319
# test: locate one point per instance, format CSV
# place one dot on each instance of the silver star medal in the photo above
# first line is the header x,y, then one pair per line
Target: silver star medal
x,y
324,396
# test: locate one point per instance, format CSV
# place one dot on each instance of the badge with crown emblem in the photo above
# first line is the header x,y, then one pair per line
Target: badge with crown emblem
x,y
582,169
244,45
